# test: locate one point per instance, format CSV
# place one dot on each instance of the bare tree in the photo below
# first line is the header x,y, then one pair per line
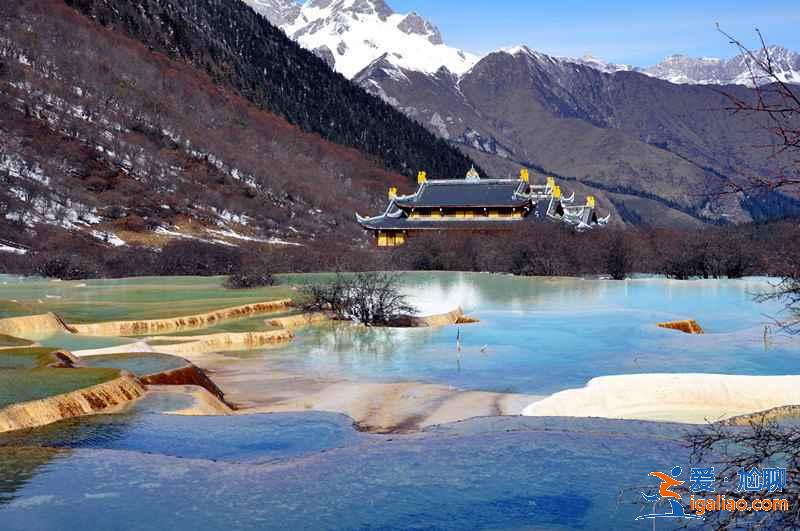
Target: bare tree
x,y
372,299
778,103
618,257
29,194
760,444
787,291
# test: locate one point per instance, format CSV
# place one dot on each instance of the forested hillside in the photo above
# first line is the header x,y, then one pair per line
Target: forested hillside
x,y
234,44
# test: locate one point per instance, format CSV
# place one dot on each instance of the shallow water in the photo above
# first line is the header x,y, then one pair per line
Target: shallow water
x,y
537,335
138,363
540,336
312,471
72,342
235,439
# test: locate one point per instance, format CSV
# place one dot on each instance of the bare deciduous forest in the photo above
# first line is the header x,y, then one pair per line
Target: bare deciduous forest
x,y
531,249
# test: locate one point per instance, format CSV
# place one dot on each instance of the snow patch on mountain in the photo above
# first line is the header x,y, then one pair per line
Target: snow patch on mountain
x,y
587,60
108,237
440,126
599,64
524,50
13,250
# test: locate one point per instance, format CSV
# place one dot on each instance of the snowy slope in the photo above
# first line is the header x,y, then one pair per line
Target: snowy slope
x,y
351,34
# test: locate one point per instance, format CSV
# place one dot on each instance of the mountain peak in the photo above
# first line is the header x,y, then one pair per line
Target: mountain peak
x,y
351,34
598,64
517,50
683,69
413,24
523,50
357,7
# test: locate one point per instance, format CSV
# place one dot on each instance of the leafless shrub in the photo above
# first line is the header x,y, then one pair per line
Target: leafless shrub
x,y
249,280
372,299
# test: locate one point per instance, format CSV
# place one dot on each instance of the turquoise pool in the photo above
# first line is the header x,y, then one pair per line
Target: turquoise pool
x,y
73,342
544,335
139,364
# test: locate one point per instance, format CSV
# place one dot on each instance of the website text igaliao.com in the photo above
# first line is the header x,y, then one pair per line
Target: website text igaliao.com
x,y
701,506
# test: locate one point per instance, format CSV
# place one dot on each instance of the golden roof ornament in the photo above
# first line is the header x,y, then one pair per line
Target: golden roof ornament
x,y
473,175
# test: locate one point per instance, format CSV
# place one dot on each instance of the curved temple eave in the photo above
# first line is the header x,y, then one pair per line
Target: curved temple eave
x,y
453,204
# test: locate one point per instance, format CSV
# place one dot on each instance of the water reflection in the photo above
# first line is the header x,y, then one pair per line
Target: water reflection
x,y
18,466
235,439
441,292
345,339
100,431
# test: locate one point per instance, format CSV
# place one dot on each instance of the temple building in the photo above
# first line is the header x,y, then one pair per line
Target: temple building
x,y
475,204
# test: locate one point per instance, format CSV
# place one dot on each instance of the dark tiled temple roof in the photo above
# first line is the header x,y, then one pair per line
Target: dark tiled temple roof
x,y
536,204
486,193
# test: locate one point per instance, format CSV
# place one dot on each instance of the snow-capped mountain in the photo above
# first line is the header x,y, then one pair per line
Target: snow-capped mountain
x,y
351,34
735,71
